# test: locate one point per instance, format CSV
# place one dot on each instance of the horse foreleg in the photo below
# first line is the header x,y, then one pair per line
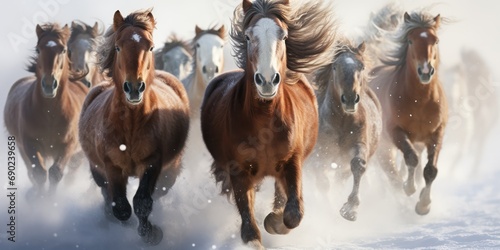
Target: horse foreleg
x,y
36,165
244,195
274,220
143,205
430,171
56,171
358,167
403,143
386,156
117,191
294,208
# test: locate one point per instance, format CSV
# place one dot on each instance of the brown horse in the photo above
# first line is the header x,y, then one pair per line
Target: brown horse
x,y
413,102
42,111
81,51
350,121
136,125
262,120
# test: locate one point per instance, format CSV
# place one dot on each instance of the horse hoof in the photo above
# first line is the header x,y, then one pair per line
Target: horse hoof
x,y
274,224
256,244
422,209
292,216
348,212
154,237
122,210
409,188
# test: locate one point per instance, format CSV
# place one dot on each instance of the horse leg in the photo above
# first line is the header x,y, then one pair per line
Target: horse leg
x,y
143,205
244,195
430,171
294,208
403,143
358,167
102,183
73,165
167,179
56,171
274,220
117,191
35,164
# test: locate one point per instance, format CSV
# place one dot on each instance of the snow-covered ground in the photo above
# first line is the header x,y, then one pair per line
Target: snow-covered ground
x,y
466,202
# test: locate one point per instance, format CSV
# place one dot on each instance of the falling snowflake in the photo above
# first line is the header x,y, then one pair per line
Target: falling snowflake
x,y
123,147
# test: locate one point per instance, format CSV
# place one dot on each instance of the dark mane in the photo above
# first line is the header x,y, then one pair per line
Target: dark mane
x,y
52,29
323,76
311,33
78,27
419,19
174,41
106,50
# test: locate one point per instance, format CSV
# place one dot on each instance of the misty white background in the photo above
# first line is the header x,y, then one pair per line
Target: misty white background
x,y
465,204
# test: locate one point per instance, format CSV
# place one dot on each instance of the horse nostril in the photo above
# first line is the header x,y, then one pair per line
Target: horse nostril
x,y
142,87
216,69
259,80
419,71
276,79
432,71
126,87
204,69
54,84
342,99
43,83
357,98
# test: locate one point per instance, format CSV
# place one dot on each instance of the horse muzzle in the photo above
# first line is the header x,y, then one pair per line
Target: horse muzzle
x,y
267,90
134,92
425,73
49,87
350,103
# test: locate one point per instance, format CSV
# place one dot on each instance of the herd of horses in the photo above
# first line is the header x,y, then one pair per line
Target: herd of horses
x,y
301,88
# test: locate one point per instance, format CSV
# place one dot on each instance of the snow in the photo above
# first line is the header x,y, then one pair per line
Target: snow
x,y
465,197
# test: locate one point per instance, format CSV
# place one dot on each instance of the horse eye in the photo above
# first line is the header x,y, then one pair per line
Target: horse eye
x,y
151,49
410,42
437,41
334,67
37,50
247,37
64,51
285,37
197,45
117,49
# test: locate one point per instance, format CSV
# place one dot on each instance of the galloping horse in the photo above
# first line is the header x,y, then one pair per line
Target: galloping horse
x,y
135,125
81,51
262,120
413,102
208,47
350,121
42,111
175,57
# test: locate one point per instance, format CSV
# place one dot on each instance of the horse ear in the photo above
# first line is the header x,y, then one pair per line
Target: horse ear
x,y
362,47
247,4
407,17
152,19
437,21
117,20
39,30
286,2
222,31
197,30
95,28
73,24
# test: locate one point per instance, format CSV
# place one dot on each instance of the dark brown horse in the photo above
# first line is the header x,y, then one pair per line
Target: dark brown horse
x,y
81,51
42,111
136,125
413,102
350,121
262,120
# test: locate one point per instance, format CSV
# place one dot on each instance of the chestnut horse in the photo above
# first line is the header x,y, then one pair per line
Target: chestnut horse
x,y
135,125
175,57
42,111
262,120
350,121
413,102
81,51
208,62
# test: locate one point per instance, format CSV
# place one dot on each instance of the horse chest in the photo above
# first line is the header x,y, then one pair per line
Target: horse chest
x,y
419,118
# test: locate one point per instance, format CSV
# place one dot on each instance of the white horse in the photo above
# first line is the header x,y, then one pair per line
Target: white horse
x,y
175,57
208,47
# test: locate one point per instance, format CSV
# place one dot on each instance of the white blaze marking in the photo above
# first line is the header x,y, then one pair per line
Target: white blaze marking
x,y
266,30
51,44
423,34
426,69
136,37
349,60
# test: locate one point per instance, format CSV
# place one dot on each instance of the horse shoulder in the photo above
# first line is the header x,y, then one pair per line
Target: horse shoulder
x,y
227,80
93,93
174,83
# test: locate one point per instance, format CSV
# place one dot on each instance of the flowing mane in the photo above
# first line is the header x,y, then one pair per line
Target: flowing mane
x,y
421,19
324,75
49,29
305,46
106,50
78,27
175,41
